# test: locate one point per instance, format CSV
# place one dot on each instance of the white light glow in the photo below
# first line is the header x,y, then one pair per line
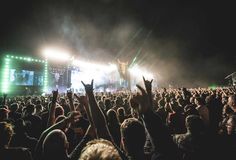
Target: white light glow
x,y
56,54
94,67
101,73
136,71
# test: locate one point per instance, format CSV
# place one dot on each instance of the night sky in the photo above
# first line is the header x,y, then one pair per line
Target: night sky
x,y
185,43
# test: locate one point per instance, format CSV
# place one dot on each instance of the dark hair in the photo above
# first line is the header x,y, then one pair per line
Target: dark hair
x,y
59,111
133,134
190,110
121,114
30,108
194,124
14,107
200,100
112,117
54,145
108,103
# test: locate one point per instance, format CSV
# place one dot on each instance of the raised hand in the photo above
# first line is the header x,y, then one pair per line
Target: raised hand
x,y
69,94
4,95
54,96
88,87
148,85
142,100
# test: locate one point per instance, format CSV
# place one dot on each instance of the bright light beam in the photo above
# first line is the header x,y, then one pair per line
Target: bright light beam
x,y
139,72
56,54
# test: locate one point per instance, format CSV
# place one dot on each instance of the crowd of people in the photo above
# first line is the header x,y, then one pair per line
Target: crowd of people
x,y
162,124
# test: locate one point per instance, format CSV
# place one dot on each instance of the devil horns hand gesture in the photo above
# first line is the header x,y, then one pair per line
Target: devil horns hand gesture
x,y
88,87
145,99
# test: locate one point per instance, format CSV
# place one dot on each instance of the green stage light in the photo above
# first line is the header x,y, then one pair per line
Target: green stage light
x,y
213,87
5,76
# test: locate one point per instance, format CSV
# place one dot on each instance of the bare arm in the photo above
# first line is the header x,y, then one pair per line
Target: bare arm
x,y
4,99
83,100
70,97
60,125
97,115
51,118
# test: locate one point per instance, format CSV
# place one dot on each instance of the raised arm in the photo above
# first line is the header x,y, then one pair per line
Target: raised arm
x,y
84,101
97,115
70,97
52,109
62,125
4,99
158,132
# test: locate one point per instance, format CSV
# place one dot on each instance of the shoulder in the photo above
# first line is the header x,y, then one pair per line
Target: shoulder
x,y
18,153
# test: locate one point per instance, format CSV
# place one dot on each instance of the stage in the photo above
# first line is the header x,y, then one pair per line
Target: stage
x,y
31,76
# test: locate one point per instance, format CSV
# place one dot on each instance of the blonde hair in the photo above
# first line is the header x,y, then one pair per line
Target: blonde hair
x,y
99,149
6,132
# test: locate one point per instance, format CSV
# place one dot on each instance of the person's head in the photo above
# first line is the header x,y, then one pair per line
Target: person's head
x,y
194,124
112,117
20,126
39,108
55,145
63,101
134,113
231,125
30,109
59,111
199,101
99,149
3,114
175,107
101,104
192,100
121,114
232,102
227,110
133,136
14,107
180,101
190,110
6,132
108,103
38,101
118,102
